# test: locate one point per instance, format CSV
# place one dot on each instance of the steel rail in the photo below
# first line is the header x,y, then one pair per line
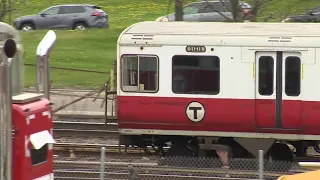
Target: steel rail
x,y
84,125
96,148
86,133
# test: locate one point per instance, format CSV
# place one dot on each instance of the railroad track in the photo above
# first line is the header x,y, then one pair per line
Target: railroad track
x,y
150,170
91,130
115,148
85,129
94,150
85,125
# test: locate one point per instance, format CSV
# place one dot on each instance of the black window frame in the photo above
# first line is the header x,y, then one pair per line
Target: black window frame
x,y
298,76
186,93
273,74
138,91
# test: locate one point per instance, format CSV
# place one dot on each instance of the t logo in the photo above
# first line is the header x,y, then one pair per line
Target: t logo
x,y
195,111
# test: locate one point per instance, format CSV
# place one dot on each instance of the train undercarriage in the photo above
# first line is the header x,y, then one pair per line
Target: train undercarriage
x,y
225,150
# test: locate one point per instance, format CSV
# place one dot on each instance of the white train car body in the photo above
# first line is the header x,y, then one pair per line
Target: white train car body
x,y
254,83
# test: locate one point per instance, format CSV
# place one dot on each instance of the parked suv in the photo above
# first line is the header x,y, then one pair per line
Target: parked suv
x,y
207,11
68,16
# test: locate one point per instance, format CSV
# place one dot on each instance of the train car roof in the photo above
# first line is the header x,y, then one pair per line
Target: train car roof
x,y
224,29
7,31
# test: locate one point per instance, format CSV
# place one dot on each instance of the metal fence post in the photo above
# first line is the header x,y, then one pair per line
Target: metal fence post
x,y
43,69
46,78
39,74
260,164
102,161
106,104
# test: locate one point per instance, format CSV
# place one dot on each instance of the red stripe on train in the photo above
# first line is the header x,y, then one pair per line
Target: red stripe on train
x,y
231,115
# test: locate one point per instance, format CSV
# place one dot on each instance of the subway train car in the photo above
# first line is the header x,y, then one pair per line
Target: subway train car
x,y
28,153
231,88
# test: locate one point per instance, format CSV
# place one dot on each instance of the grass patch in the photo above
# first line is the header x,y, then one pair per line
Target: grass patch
x,y
95,49
91,50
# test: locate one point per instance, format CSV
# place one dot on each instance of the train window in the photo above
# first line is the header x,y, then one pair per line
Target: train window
x,y
139,73
39,156
266,73
292,76
195,74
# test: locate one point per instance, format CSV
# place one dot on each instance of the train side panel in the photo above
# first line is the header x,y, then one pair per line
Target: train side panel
x,y
232,106
237,90
310,111
232,109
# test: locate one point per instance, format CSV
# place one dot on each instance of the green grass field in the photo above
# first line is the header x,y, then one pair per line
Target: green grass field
x,y
95,49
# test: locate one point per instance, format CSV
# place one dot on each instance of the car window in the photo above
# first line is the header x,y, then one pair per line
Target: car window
x,y
51,11
75,9
63,10
221,7
207,9
316,9
190,10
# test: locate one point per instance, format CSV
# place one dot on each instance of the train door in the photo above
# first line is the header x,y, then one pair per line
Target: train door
x,y
278,90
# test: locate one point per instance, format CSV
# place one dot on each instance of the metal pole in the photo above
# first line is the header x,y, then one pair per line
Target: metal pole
x,y
46,78
2,120
43,53
102,161
8,103
260,164
106,104
39,74
43,76
9,50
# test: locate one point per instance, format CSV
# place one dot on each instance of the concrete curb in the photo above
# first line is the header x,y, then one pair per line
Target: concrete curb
x,y
83,115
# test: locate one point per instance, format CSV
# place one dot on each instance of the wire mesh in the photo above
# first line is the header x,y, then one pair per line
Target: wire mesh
x,y
142,166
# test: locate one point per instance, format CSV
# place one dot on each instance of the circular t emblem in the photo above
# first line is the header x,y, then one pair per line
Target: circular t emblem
x,y
195,111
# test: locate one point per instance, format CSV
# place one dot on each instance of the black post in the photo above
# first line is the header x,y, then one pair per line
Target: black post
x,y
106,104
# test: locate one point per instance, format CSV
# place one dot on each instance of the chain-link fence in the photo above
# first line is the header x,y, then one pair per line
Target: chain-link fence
x,y
134,166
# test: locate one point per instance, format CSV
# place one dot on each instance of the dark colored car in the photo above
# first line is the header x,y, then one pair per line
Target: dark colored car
x,y
312,15
207,11
68,16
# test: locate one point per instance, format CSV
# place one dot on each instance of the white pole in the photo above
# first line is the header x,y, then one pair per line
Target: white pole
x,y
102,161
260,164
